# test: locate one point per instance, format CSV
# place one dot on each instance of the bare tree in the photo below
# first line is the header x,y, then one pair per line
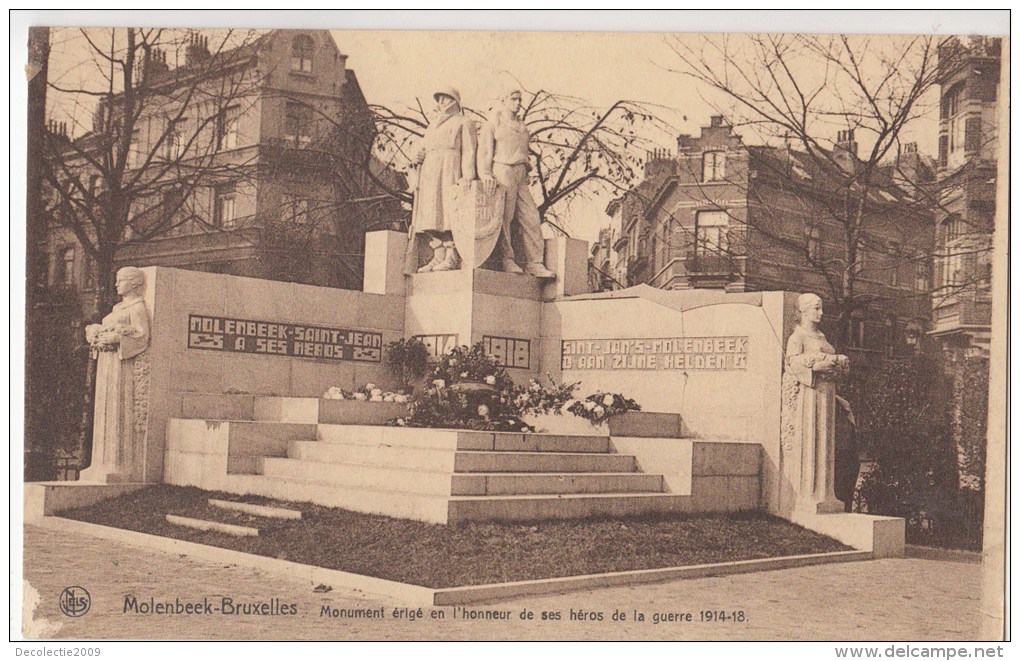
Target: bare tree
x,y
794,93
154,138
144,136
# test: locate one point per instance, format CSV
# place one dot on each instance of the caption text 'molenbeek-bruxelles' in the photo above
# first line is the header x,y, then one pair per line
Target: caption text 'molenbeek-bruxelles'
x,y
220,605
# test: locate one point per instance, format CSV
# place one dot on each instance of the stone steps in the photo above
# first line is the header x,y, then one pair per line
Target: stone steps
x,y
365,476
543,462
449,475
509,484
393,503
435,439
359,476
394,457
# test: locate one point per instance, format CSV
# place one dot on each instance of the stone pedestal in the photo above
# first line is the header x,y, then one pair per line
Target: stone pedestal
x,y
467,306
502,310
568,259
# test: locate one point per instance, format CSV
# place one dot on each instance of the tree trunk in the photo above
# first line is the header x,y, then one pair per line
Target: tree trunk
x,y
38,55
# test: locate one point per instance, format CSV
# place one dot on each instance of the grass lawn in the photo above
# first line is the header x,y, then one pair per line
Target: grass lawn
x,y
439,556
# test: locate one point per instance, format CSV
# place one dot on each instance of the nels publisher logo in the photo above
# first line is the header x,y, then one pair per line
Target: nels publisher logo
x,y
75,601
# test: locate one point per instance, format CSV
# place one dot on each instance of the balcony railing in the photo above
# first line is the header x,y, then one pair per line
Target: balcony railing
x,y
710,265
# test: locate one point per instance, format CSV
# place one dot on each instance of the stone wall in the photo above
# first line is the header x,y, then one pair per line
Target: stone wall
x,y
180,372
724,380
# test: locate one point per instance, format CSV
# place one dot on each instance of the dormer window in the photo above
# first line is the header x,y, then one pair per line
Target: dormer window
x,y
713,166
301,50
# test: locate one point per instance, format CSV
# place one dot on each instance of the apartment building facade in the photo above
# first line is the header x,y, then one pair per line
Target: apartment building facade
x,y
249,161
721,214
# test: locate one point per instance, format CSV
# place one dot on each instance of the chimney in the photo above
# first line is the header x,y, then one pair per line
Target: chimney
x,y
684,143
659,161
716,121
845,142
197,49
154,63
57,129
909,174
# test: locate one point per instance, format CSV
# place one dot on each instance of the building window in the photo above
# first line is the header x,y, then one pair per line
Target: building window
x,y
711,233
295,209
713,166
952,113
894,263
297,125
857,334
134,155
632,238
64,271
174,139
301,53
922,277
861,258
952,270
88,273
223,207
226,128
952,227
814,243
891,337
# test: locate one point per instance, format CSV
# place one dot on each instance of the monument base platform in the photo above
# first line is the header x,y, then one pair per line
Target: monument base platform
x,y
48,498
882,535
447,475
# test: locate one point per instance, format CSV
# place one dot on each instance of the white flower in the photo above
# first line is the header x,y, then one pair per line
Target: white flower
x,y
360,396
463,375
599,411
400,422
369,387
439,383
376,398
525,429
388,397
491,380
453,361
589,405
376,392
483,410
400,399
608,400
534,387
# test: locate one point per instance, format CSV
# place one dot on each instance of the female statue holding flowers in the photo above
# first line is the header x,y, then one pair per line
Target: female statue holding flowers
x,y
812,365
122,376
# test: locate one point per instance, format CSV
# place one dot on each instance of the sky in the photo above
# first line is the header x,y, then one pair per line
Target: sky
x,y
397,68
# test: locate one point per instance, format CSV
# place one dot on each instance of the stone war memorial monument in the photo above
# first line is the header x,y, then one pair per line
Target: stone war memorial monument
x,y
216,381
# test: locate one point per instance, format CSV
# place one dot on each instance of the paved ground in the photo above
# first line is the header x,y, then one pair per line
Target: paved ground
x,y
892,599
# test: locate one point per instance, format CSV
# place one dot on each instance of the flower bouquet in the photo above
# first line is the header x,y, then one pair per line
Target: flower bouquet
x,y
102,338
600,406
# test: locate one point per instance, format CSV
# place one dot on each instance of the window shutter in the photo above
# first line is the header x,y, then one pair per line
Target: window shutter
x,y
943,150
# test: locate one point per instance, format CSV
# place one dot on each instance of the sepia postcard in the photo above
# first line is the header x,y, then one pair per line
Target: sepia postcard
x,y
577,334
